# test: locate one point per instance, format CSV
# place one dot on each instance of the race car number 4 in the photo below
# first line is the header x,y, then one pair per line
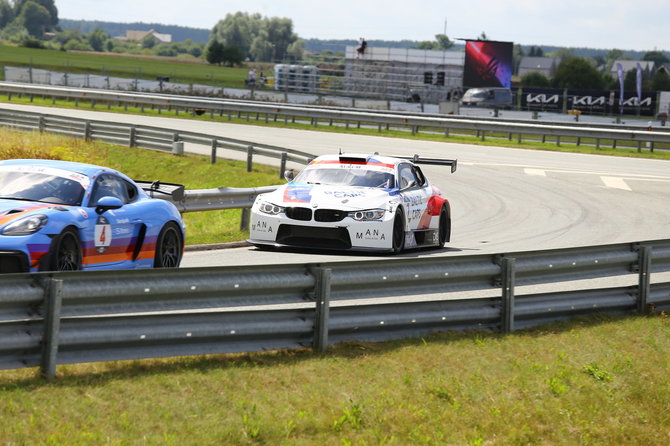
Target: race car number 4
x,y
103,235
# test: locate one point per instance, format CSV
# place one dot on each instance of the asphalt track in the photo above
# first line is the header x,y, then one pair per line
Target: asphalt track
x,y
503,200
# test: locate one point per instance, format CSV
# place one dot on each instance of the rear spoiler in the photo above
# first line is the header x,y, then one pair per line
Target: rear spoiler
x,y
169,191
416,159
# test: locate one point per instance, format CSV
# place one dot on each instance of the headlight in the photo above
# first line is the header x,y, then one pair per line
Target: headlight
x,y
269,208
26,225
367,215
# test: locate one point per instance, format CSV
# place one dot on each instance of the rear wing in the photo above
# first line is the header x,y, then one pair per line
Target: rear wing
x,y
166,191
416,159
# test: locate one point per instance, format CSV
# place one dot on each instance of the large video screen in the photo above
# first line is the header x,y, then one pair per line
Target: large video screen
x,y
488,64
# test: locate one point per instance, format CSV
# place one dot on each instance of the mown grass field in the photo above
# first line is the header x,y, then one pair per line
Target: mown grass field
x,y
195,172
107,64
592,382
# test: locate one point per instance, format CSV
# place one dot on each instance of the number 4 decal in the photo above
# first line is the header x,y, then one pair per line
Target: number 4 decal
x,y
103,233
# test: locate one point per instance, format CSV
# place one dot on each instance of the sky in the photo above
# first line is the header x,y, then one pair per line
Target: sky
x,y
641,25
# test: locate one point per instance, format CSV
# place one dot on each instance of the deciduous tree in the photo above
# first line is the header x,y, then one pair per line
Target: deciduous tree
x,y
578,73
35,18
259,38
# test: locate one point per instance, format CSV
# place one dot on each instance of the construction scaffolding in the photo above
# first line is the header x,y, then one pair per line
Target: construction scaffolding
x,y
403,74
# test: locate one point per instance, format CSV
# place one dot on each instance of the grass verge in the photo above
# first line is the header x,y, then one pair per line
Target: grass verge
x,y
195,172
591,382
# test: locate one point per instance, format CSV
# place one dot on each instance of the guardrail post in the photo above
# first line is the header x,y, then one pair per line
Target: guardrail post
x,y
282,164
644,264
322,316
132,137
215,144
41,124
178,148
87,131
53,297
508,275
244,220
250,157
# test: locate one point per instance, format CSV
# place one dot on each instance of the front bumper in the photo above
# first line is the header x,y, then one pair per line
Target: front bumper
x,y
279,230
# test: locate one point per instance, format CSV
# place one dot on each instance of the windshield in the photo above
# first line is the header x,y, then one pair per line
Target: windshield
x,y
475,94
43,187
342,176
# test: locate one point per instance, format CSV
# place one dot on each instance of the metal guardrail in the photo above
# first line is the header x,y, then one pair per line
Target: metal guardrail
x,y
344,116
166,140
73,317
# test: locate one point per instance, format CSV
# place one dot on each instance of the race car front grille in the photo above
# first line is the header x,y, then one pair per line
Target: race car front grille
x,y
311,237
13,262
329,215
303,214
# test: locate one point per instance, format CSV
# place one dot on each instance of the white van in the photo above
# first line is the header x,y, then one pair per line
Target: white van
x,y
491,97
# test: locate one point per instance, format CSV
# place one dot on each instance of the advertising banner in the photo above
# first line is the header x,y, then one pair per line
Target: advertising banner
x,y
592,102
596,102
542,99
487,64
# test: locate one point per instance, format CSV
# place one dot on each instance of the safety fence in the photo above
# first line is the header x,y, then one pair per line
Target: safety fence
x,y
317,115
48,319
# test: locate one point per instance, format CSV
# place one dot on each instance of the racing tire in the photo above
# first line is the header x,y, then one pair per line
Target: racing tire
x,y
169,247
65,252
444,229
398,237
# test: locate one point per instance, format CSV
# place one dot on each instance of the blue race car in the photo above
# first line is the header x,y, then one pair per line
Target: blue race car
x,y
64,216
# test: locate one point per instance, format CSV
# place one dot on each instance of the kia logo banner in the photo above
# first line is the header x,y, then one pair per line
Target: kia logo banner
x,y
599,102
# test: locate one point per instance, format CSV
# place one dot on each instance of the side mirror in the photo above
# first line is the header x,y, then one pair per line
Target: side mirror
x,y
289,175
106,203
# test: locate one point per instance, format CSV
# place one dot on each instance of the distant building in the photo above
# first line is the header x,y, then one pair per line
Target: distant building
x,y
140,35
546,66
403,74
648,67
665,67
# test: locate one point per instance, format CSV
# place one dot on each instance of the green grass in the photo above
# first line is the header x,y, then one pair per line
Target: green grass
x,y
195,172
143,67
595,382
532,142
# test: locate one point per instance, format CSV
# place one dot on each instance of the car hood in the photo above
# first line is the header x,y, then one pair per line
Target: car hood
x,y
13,209
329,197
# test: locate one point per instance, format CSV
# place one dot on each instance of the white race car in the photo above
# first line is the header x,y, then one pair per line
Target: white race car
x,y
358,202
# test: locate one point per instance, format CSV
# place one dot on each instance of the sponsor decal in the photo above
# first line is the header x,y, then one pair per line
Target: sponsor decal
x,y
298,194
81,179
371,234
344,194
262,226
103,235
352,164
